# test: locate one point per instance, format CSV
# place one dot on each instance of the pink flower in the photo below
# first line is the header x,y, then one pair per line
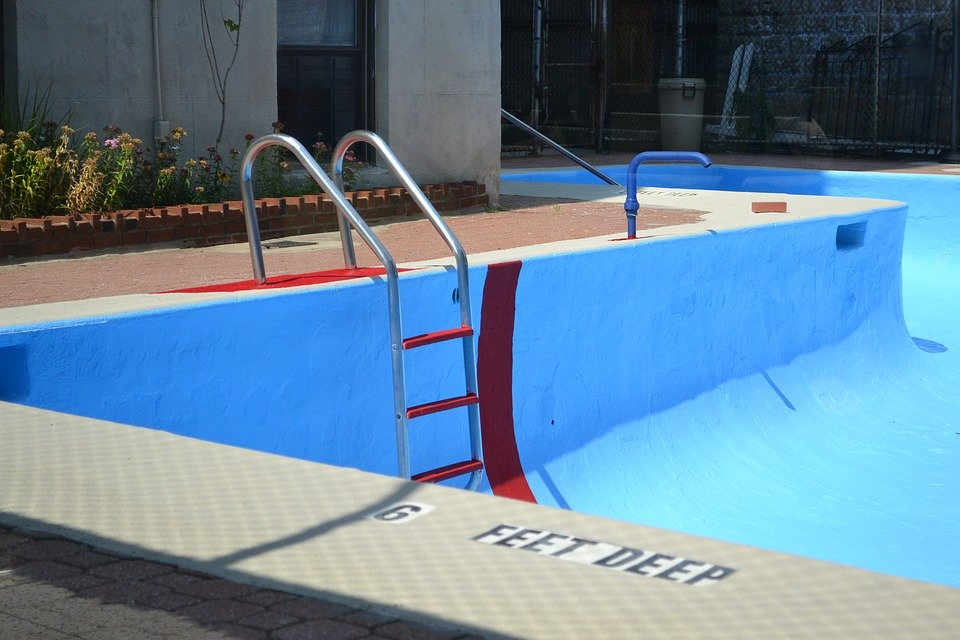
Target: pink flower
x,y
113,143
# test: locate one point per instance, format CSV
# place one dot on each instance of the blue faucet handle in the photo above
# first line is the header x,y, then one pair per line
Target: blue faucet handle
x,y
631,205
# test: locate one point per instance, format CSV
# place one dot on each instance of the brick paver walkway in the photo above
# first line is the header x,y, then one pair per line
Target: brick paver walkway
x,y
55,589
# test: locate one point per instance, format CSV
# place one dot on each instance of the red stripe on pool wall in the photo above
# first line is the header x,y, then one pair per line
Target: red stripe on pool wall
x,y
495,378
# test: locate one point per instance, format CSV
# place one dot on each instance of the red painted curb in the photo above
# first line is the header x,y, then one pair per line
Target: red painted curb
x,y
295,280
495,381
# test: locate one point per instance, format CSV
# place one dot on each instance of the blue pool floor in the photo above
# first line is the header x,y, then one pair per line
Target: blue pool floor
x,y
850,454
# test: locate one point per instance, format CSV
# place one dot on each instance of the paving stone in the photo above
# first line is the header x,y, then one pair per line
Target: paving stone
x,y
47,549
216,611
89,559
366,619
174,580
45,570
11,540
194,573
235,632
307,609
267,597
268,621
216,589
131,570
79,582
28,596
403,630
138,593
325,629
10,578
12,628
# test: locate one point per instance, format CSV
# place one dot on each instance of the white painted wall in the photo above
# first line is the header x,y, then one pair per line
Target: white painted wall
x,y
438,88
437,75
96,57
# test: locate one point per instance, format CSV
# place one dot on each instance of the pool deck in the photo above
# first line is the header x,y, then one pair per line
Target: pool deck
x,y
160,536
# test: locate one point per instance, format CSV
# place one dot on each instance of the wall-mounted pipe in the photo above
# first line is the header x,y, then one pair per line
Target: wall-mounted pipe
x,y
160,125
631,205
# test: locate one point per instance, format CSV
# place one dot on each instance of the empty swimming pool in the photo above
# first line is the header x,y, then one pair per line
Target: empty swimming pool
x,y
757,385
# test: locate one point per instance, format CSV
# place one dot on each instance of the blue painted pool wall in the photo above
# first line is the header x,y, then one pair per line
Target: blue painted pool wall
x,y
307,374
304,374
609,337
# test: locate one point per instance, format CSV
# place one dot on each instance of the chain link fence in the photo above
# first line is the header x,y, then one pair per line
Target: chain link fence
x,y
853,76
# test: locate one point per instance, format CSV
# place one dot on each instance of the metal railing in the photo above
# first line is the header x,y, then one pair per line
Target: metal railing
x,y
387,157
348,217
517,122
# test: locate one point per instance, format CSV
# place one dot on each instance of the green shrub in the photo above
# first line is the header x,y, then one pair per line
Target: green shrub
x,y
44,170
34,180
755,119
274,176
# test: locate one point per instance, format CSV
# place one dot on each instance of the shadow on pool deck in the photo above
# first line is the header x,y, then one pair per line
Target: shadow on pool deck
x,y
54,589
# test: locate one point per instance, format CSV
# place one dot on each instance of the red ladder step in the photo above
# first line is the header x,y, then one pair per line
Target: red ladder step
x,y
442,405
449,471
436,336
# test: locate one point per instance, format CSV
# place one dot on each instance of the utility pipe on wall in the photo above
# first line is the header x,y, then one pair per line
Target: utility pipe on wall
x,y
160,126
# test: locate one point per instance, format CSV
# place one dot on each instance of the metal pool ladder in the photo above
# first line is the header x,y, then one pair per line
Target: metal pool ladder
x,y
348,217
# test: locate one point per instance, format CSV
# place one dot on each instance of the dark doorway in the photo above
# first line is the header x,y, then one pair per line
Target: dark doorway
x,y
322,68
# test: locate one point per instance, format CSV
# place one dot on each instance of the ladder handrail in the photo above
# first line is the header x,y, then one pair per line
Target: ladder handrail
x,y
346,211
386,155
347,214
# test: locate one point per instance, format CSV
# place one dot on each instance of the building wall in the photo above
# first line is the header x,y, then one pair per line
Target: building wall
x,y
96,57
438,88
437,75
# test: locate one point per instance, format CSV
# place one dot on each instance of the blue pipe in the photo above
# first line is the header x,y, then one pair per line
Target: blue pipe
x,y
630,205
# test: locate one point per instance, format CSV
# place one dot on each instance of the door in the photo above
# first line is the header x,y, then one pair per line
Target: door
x,y
323,83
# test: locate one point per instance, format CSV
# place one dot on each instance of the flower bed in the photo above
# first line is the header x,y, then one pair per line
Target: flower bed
x,y
210,224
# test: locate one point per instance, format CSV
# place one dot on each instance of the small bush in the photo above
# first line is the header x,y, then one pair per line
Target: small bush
x,y
46,170
274,176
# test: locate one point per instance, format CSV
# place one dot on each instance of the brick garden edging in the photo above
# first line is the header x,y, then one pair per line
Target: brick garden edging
x,y
210,224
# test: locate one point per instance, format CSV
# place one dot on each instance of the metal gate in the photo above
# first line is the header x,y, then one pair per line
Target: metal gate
x,y
585,71
852,76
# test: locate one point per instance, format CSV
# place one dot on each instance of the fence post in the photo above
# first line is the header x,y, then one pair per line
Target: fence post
x,y
537,95
953,156
875,111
